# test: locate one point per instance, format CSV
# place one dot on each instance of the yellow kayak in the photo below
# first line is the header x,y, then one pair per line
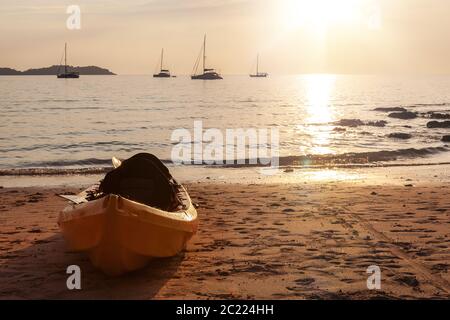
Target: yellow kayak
x,y
121,235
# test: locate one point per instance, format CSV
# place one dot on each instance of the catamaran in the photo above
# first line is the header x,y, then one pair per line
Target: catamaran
x,y
66,74
258,74
163,73
208,73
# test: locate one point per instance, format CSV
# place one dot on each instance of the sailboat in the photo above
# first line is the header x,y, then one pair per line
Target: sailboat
x,y
258,74
163,73
208,74
66,74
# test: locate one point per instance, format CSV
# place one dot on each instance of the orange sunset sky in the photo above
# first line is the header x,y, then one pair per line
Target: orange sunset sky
x,y
292,36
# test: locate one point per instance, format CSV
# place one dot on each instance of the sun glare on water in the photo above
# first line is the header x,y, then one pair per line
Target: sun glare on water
x,y
319,89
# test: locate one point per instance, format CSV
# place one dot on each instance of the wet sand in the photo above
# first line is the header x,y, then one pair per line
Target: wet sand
x,y
258,241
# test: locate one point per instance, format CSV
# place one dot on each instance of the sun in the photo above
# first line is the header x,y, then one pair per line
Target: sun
x,y
321,14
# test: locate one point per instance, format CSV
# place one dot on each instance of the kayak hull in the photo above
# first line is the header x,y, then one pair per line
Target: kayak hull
x,y
121,235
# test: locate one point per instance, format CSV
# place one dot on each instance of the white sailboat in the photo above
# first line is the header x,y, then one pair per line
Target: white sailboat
x,y
207,73
258,74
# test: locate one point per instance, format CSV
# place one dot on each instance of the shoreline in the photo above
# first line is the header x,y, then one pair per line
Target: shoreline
x,y
378,175
53,171
436,155
256,241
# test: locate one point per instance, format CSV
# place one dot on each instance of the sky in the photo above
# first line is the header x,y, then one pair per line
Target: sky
x,y
291,36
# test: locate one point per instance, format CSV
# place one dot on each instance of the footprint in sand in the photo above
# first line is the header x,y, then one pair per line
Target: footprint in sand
x,y
410,281
274,205
305,281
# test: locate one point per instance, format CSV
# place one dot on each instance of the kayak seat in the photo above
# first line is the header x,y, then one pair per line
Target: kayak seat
x,y
138,189
142,178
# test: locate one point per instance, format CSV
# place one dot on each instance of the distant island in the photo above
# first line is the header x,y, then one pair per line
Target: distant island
x,y
53,70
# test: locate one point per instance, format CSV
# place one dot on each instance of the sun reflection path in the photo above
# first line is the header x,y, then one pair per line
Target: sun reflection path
x,y
334,175
320,87
319,91
319,176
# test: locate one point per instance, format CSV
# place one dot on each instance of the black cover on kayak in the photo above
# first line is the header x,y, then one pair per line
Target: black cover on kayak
x,y
142,178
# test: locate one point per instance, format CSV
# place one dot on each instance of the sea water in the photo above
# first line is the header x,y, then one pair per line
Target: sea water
x,y
81,123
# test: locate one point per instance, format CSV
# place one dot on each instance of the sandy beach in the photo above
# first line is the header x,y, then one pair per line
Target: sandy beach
x,y
316,165
257,241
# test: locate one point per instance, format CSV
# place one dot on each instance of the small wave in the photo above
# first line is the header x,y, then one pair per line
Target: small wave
x,y
369,165
359,122
440,104
46,100
56,100
79,146
348,104
364,157
352,123
90,162
63,167
72,108
53,171
345,159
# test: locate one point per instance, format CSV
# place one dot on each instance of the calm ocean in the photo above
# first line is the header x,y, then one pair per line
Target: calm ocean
x,y
54,123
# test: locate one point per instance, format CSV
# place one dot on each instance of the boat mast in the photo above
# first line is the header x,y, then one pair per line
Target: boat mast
x,y
257,63
162,56
204,52
65,57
